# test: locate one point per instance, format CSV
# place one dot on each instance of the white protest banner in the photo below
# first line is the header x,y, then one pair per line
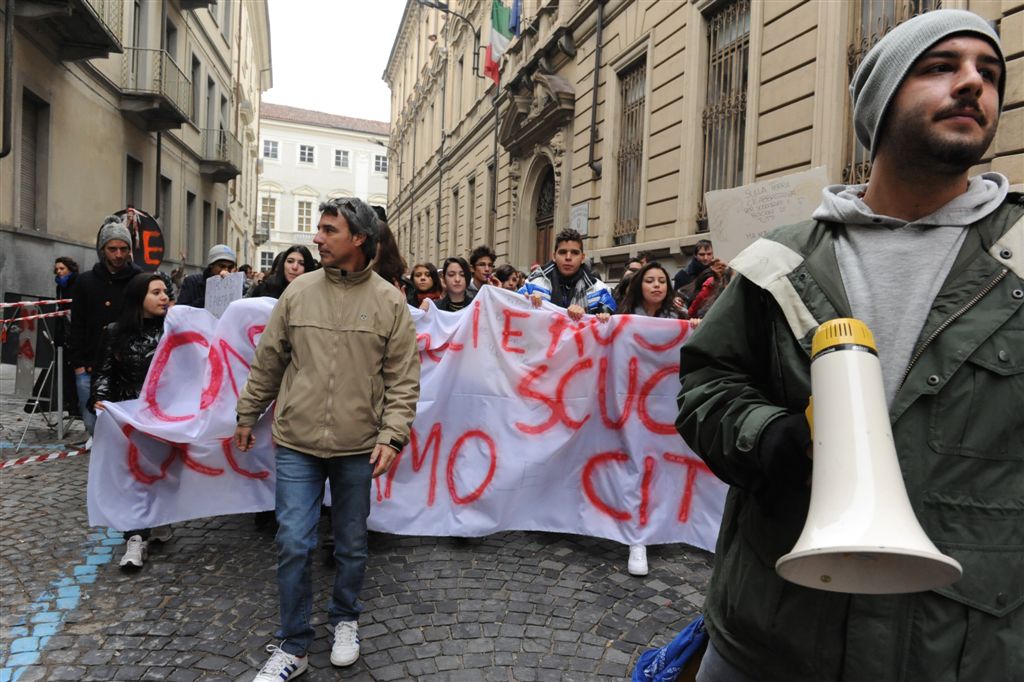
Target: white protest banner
x,y
221,291
738,217
526,421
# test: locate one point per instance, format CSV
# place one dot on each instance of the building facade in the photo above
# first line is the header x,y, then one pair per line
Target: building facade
x,y
616,116
145,103
309,157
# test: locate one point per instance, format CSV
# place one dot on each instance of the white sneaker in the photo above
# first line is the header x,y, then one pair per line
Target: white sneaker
x,y
282,666
637,560
345,650
88,444
135,552
160,534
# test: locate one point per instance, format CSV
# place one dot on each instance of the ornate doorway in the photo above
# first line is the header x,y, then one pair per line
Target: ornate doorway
x,y
544,216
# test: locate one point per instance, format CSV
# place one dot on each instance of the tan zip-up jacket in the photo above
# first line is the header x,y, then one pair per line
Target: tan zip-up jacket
x,y
339,355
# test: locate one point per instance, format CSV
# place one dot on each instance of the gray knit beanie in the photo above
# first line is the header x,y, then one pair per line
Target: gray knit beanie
x,y
886,65
113,228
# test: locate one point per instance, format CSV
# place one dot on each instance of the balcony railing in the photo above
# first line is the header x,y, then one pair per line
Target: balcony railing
x,y
82,29
152,76
221,154
262,232
111,13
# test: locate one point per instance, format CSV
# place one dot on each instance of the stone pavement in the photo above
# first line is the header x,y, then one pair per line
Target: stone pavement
x,y
511,606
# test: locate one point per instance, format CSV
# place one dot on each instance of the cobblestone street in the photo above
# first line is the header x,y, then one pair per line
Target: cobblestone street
x,y
511,606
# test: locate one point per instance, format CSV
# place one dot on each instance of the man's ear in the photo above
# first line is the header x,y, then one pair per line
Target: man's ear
x,y
358,239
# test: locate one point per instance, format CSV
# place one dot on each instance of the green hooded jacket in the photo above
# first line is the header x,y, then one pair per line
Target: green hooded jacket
x,y
958,425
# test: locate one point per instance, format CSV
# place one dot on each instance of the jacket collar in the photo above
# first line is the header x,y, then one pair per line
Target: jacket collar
x,y
347,278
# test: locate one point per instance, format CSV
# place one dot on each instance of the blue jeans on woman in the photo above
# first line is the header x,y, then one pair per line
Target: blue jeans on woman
x,y
300,491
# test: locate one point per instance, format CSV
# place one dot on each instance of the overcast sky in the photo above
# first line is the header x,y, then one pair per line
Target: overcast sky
x,y
329,55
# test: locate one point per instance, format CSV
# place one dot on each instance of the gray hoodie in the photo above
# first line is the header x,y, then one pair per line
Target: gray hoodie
x,y
892,269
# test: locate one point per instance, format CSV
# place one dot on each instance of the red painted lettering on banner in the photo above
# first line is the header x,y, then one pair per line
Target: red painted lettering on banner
x,y
178,450
617,323
507,333
418,457
600,460
212,389
476,322
524,389
684,331
602,393
253,331
645,491
227,447
653,425
228,350
693,467
160,364
493,452
563,383
435,354
560,324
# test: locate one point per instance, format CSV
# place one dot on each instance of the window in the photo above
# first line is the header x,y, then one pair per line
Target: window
x,y
35,154
171,39
207,232
221,236
872,20
725,108
268,213
340,158
192,245
470,211
304,216
380,163
270,149
629,155
167,212
306,153
197,85
266,260
133,183
454,229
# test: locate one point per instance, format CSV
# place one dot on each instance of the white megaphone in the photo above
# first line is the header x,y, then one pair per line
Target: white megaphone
x,y
861,535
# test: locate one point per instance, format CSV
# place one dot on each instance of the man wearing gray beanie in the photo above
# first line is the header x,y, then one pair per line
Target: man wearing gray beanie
x,y
932,260
96,302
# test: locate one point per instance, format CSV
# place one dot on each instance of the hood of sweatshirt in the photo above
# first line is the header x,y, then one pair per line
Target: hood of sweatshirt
x,y
845,204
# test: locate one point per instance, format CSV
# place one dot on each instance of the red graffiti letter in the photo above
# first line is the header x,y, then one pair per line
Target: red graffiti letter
x,y
507,332
692,467
645,490
602,393
230,457
617,323
684,331
588,485
418,457
160,364
560,324
563,383
475,495
527,392
641,407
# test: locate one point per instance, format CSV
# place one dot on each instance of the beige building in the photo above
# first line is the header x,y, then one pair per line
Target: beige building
x,y
616,116
149,103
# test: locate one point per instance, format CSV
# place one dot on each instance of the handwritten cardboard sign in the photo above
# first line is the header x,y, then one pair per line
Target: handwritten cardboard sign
x,y
221,291
738,217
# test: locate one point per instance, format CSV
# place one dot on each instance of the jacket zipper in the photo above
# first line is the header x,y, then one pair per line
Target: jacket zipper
x,y
950,320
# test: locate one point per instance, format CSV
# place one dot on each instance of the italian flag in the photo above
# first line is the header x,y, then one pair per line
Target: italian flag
x,y
500,37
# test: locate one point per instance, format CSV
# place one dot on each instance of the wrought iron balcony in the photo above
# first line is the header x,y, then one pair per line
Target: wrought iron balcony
x,y
221,155
82,29
194,4
154,88
262,232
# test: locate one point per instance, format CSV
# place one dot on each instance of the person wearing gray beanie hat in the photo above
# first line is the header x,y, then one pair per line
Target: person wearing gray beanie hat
x,y
113,228
886,65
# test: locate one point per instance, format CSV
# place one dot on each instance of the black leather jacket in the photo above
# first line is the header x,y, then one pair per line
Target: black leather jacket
x,y
123,370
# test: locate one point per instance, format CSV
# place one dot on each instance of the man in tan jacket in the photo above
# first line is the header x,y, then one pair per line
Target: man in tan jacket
x,y
339,356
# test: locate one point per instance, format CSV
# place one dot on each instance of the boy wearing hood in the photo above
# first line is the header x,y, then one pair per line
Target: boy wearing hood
x,y
96,302
932,260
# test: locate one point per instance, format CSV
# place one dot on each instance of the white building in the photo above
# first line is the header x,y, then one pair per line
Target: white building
x,y
309,157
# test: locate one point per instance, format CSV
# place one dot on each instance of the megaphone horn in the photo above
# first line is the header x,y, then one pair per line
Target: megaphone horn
x,y
861,535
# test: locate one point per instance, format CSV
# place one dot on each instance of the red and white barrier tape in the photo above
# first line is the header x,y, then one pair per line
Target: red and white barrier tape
x,y
35,459
33,304
27,318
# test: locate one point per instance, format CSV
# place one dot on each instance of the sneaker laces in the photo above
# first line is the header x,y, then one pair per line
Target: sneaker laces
x,y
279,660
346,633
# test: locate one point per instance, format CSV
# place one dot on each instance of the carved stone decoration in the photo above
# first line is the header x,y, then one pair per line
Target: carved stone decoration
x,y
515,173
539,110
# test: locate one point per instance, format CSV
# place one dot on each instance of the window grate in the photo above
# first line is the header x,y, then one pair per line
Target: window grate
x,y
630,153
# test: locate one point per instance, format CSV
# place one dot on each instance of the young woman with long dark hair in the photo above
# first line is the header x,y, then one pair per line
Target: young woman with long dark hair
x,y
426,283
455,273
289,264
129,345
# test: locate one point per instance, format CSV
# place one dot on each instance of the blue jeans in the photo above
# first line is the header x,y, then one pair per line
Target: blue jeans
x,y
300,491
83,386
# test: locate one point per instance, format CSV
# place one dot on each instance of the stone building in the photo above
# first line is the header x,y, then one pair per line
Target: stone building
x,y
150,103
616,116
308,157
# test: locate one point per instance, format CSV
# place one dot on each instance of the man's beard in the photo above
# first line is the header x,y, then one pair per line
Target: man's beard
x,y
916,142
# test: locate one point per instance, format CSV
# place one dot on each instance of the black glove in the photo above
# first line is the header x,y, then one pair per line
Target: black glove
x,y
783,452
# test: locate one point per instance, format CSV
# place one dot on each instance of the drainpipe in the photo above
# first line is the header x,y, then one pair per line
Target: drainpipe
x,y
159,134
595,166
440,156
5,148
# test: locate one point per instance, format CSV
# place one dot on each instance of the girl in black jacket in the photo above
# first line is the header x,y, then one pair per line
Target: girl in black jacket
x,y
288,265
129,345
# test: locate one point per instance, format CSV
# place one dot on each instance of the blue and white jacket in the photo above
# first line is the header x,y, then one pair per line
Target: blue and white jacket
x,y
584,289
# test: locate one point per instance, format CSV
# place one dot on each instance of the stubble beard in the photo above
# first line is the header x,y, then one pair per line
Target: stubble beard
x,y
918,144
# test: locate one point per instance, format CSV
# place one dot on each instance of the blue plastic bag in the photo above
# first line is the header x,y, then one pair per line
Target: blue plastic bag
x,y
665,664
